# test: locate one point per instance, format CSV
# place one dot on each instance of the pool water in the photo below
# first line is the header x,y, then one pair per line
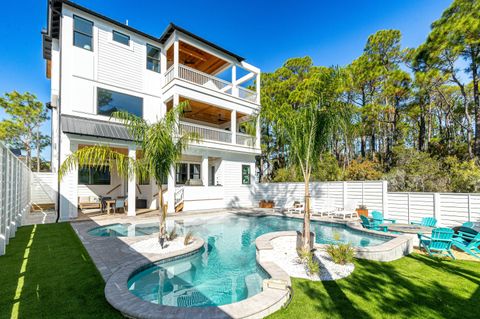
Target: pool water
x,y
225,269
124,230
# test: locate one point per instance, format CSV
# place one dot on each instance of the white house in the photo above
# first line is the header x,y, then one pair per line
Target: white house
x,y
97,65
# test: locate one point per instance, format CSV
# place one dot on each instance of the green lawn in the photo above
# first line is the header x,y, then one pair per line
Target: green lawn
x,y
412,287
47,273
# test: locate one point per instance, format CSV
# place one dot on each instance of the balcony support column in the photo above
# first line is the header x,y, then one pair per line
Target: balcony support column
x,y
176,55
233,126
132,192
204,170
234,81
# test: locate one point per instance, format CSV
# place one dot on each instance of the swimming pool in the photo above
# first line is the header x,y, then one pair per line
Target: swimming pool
x,y
124,230
225,269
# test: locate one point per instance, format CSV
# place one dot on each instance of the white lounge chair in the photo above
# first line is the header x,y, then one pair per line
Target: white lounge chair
x,y
294,207
327,209
348,211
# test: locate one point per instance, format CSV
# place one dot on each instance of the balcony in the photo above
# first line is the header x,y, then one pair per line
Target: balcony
x,y
196,66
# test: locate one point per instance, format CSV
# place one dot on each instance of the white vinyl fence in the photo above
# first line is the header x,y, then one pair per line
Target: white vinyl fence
x,y
44,188
14,195
450,209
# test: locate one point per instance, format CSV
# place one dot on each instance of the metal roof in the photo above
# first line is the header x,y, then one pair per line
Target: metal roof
x,y
95,128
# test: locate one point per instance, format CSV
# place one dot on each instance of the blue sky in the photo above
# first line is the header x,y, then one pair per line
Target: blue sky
x,y
266,33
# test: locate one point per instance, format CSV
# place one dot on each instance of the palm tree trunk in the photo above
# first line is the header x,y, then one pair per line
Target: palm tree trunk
x,y
161,210
306,218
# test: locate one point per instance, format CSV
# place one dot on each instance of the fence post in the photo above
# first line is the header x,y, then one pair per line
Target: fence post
x,y
345,196
436,207
3,207
469,209
385,199
408,208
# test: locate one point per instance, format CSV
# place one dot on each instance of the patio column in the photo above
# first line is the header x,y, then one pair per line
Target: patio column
x,y
234,81
204,170
170,194
233,126
132,196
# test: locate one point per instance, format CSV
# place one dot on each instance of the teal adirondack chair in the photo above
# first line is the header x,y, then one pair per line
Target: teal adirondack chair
x,y
377,217
426,221
439,243
468,243
368,224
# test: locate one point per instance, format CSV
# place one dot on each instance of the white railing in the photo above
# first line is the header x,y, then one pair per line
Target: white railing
x,y
14,194
245,139
208,81
179,195
203,79
169,75
207,133
247,94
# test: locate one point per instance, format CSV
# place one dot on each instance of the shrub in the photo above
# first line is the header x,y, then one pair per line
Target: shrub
x,y
287,174
172,234
188,238
464,175
312,266
303,254
341,254
363,171
328,169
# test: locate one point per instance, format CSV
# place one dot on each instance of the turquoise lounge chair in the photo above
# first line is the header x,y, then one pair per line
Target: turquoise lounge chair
x,y
426,221
366,223
468,243
439,244
378,218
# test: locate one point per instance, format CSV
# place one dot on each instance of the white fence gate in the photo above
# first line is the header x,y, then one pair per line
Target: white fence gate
x,y
44,188
14,195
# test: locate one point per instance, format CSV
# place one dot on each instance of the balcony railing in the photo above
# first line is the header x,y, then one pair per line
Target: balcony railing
x,y
207,133
209,81
245,140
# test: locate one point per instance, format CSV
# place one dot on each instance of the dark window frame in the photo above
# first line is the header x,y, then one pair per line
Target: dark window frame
x,y
179,173
121,35
82,33
90,170
247,175
191,171
157,69
129,95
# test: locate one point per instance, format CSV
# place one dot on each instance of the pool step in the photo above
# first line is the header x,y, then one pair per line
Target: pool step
x,y
254,284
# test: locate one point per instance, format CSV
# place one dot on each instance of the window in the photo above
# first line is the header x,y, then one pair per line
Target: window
x,y
143,180
246,174
194,171
120,38
82,33
111,101
153,58
182,173
94,175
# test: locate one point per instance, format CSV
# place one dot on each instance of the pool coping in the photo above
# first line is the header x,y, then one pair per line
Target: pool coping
x,y
271,298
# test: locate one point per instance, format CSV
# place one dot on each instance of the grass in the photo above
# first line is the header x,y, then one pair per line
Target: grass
x,y
47,273
412,287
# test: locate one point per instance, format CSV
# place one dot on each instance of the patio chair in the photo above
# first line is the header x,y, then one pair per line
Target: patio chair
x,y
349,210
378,218
439,243
468,243
326,210
426,221
368,224
119,203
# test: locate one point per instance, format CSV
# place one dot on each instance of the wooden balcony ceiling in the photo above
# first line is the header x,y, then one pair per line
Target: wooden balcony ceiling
x,y
196,58
208,113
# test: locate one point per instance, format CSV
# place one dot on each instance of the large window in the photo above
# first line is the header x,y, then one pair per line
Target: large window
x,y
82,33
111,101
246,174
120,38
186,171
94,175
153,58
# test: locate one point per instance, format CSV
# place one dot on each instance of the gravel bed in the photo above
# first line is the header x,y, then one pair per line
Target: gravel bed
x,y
285,256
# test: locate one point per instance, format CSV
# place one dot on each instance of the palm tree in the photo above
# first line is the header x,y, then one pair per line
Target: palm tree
x,y
161,143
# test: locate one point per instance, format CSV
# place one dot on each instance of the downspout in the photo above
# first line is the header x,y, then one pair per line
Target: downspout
x,y
59,109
